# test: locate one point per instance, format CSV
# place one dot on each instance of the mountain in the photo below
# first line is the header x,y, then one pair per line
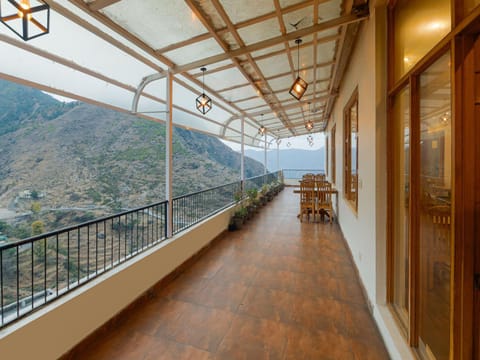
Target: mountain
x,y
291,158
74,155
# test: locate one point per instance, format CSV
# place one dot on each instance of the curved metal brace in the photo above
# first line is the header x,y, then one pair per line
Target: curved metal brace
x,y
225,126
145,81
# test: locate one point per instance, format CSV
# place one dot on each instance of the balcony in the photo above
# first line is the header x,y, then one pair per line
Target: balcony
x,y
276,289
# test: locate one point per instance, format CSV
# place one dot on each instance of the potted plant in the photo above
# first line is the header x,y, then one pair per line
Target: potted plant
x,y
238,218
263,194
252,195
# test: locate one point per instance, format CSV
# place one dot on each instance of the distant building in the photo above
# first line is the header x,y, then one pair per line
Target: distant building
x,y
25,194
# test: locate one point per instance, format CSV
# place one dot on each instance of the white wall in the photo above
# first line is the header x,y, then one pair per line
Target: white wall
x,y
359,228
365,231
52,331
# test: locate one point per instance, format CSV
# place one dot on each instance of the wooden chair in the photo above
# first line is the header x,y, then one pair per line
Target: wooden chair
x,y
320,177
307,199
324,200
308,176
438,251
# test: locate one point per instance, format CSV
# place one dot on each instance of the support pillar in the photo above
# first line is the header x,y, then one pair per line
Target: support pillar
x,y
242,158
265,156
169,154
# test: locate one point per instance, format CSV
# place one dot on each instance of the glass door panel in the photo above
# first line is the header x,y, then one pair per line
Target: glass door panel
x,y
435,220
401,208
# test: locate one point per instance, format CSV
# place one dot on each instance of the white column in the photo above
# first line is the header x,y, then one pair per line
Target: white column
x,y
242,157
265,155
169,154
278,156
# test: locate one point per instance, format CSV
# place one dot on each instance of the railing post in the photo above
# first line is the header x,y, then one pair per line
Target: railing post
x,y
278,155
169,155
242,158
265,155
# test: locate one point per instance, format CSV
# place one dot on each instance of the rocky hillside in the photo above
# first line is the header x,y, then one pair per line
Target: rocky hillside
x,y
68,155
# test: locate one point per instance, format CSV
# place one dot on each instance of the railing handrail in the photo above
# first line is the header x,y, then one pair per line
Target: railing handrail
x,y
108,217
74,227
319,170
205,190
74,255
259,176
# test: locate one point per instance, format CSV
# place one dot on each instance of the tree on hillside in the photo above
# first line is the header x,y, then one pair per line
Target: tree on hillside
x,y
38,227
36,208
38,246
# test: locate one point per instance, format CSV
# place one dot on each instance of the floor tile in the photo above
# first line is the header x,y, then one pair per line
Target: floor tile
x,y
202,327
277,289
253,338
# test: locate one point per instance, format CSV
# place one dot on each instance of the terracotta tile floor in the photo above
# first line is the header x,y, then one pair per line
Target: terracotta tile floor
x,y
277,289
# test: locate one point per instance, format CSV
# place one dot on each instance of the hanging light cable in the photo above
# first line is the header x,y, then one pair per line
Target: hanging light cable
x,y
262,130
309,123
204,103
299,86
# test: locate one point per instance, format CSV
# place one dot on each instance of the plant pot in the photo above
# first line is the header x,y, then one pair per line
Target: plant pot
x,y
238,221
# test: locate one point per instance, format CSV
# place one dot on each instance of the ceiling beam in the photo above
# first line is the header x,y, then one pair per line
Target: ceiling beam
x,y
205,22
294,105
275,53
264,84
239,25
100,4
113,26
102,35
342,20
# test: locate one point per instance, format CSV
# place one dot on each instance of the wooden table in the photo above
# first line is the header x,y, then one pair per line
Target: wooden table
x,y
332,191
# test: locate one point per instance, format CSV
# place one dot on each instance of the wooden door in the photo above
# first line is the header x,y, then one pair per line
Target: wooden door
x,y
476,291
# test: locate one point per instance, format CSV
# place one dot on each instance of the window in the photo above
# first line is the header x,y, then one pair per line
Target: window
x,y
334,167
410,18
435,209
350,116
400,197
326,156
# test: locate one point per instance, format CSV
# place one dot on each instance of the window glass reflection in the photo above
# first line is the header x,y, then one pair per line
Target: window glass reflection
x,y
401,207
419,26
435,209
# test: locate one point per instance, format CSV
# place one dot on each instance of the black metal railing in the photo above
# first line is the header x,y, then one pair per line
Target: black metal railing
x,y
192,208
37,270
297,174
258,181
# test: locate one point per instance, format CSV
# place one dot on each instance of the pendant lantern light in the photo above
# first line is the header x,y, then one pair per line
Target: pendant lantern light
x,y
299,86
26,18
204,103
309,125
262,130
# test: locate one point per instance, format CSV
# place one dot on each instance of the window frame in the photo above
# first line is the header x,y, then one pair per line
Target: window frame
x,y
333,175
350,188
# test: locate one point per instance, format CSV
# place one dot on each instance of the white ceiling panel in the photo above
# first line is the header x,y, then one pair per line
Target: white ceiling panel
x,y
158,23
193,52
265,30
239,11
274,65
103,59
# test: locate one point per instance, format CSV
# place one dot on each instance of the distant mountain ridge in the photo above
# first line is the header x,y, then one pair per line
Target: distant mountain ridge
x,y
291,158
81,155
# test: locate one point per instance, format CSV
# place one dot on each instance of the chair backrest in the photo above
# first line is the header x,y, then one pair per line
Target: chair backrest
x,y
307,191
320,177
324,192
308,176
